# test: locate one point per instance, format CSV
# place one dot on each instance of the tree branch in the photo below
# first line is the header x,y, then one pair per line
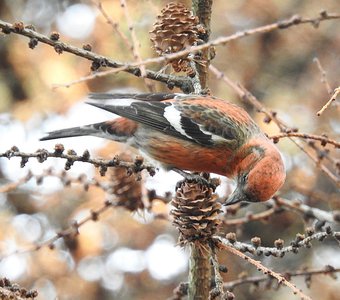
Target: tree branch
x,y
252,217
281,279
182,82
323,139
330,101
308,211
257,279
42,154
301,241
98,60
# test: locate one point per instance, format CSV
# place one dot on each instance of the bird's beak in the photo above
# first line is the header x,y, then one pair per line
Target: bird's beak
x,y
235,197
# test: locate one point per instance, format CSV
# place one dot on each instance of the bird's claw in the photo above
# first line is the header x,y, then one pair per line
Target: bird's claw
x,y
193,178
202,179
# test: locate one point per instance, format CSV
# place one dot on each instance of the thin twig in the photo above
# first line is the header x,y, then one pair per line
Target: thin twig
x,y
14,185
329,102
327,85
82,79
323,75
115,25
321,166
315,195
251,217
325,140
257,279
281,279
136,45
308,211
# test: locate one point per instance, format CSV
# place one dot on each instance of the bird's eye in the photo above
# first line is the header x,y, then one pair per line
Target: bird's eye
x,y
243,178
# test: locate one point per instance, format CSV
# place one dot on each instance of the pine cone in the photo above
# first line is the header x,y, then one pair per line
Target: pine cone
x,y
175,29
126,188
196,212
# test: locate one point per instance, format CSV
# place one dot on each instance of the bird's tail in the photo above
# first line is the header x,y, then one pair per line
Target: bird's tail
x,y
120,130
68,132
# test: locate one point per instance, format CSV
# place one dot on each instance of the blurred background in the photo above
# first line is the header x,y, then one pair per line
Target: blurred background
x,y
131,254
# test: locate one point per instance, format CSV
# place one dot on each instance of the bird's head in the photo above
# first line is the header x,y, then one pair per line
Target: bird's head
x,y
260,174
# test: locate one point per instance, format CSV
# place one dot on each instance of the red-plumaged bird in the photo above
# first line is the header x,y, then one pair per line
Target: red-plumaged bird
x,y
194,133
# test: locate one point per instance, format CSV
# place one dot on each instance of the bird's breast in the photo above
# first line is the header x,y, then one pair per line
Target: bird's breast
x,y
185,155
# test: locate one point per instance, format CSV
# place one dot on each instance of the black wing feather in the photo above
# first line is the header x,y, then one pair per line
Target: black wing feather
x,y
193,130
147,113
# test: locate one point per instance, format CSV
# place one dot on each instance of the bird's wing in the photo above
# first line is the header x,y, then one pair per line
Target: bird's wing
x,y
224,121
155,116
187,119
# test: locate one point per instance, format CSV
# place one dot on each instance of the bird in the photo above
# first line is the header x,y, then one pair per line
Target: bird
x,y
196,133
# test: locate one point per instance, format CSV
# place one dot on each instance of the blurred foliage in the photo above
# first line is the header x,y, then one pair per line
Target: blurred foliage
x,y
277,67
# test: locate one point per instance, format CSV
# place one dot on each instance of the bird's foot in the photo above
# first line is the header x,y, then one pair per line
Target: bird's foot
x,y
200,178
